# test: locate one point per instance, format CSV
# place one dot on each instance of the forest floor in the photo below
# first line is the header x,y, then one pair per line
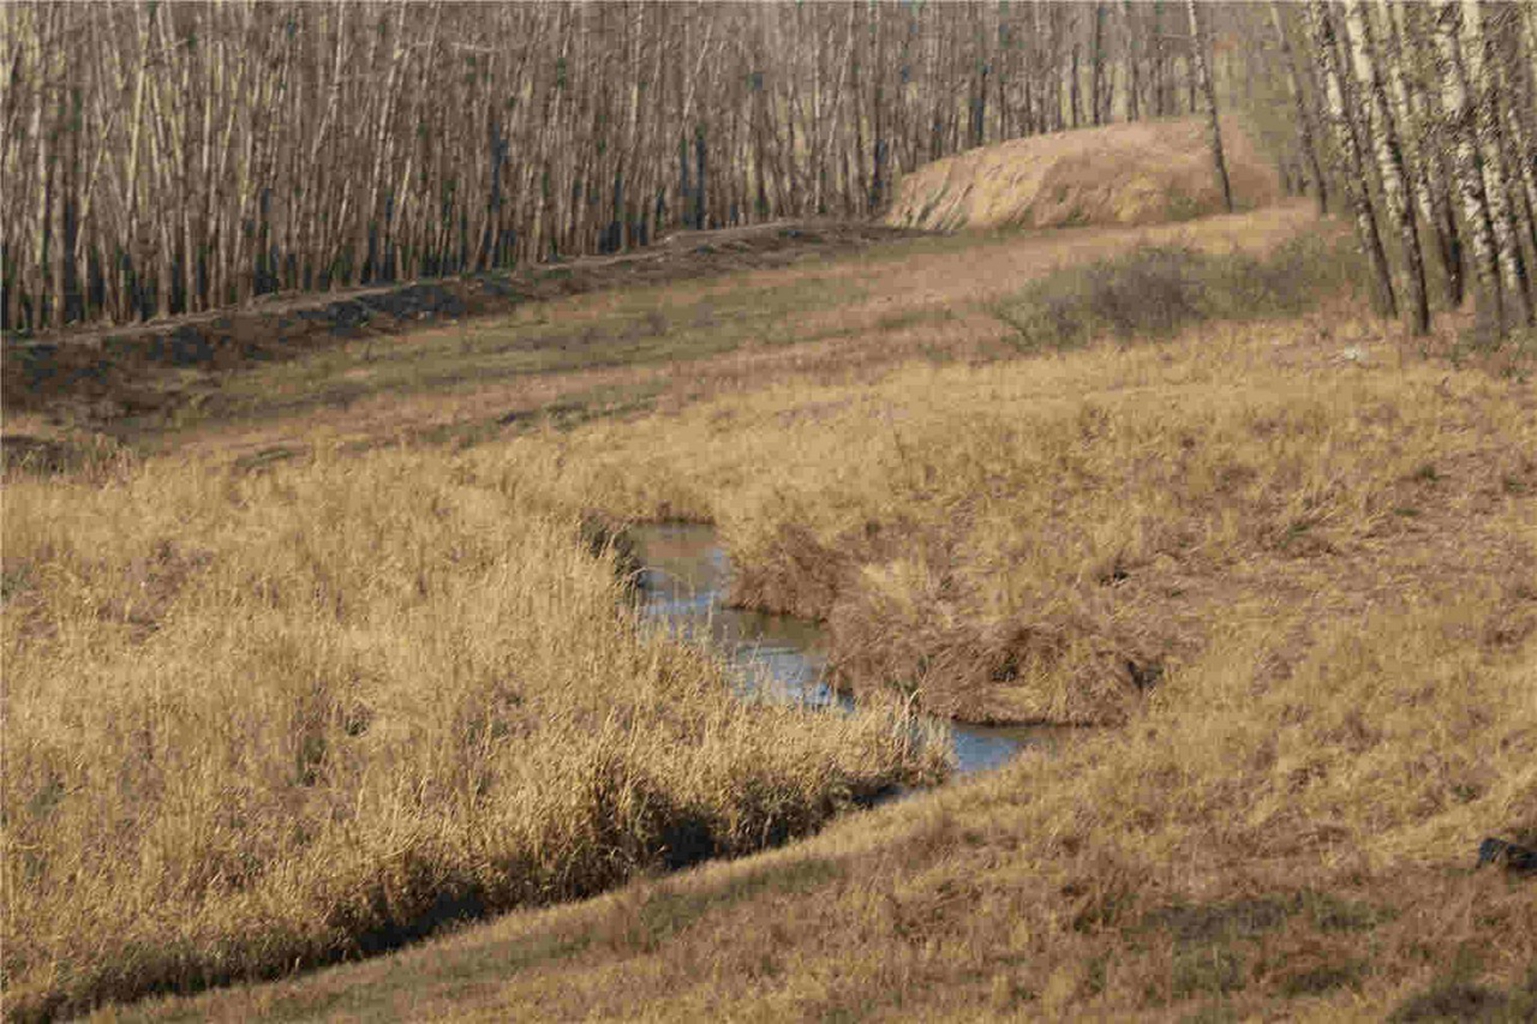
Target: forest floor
x,y
1175,481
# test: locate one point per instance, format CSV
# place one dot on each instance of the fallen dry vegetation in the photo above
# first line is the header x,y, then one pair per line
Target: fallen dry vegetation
x,y
1294,558
1044,540
1253,846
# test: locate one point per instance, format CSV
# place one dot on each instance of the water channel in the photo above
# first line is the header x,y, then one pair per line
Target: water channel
x,y
685,585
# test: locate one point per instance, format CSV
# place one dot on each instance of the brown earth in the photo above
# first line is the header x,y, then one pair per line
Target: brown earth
x,y
1142,173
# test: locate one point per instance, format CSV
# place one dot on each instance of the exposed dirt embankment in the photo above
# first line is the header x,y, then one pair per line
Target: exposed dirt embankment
x,y
1143,173
100,375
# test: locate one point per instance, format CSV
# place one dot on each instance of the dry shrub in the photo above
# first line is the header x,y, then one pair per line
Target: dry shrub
x,y
1154,291
279,718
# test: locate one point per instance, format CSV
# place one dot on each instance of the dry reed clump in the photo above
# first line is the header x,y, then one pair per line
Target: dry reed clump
x,y
258,721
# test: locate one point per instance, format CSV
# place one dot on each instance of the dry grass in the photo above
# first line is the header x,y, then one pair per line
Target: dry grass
x,y
1294,848
1145,172
1045,539
621,353
257,721
1295,559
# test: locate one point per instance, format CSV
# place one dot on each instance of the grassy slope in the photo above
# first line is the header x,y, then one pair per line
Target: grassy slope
x,y
618,353
1330,560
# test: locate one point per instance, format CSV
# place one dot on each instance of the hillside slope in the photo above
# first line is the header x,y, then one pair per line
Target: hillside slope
x,y
1146,172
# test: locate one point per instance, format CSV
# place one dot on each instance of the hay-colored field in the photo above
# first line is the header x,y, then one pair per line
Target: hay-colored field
x,y
1141,172
1293,559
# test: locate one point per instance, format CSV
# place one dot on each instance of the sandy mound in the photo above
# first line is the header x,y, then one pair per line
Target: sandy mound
x,y
1140,173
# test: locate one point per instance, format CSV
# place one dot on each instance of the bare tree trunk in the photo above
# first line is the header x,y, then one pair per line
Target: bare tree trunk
x,y
1500,181
1097,65
1302,112
1460,125
1396,186
1133,64
1347,138
1519,100
1428,158
175,157
1198,54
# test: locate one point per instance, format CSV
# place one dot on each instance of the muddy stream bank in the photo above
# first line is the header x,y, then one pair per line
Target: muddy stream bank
x,y
685,586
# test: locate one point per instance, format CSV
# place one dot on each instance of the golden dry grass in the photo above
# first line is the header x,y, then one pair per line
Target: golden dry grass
x,y
1030,540
1314,544
1295,848
261,720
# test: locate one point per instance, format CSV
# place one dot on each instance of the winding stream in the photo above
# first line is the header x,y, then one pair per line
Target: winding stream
x,y
686,583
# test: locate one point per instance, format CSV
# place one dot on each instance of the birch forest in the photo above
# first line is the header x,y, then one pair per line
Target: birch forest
x,y
167,158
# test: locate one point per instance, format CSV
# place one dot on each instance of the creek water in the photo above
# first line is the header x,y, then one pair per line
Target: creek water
x,y
685,584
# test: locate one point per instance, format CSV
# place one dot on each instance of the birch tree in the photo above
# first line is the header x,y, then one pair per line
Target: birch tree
x,y
1501,181
1461,129
1396,185
1348,144
1427,156
1200,55
1302,112
173,158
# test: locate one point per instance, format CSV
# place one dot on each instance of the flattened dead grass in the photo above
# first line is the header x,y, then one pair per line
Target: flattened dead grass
x,y
658,348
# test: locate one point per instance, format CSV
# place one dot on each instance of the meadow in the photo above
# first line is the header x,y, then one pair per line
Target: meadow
x,y
293,682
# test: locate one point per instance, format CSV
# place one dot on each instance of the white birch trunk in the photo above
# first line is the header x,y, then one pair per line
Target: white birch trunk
x,y
1203,76
1459,125
1304,116
1492,160
1396,186
1322,32
1426,159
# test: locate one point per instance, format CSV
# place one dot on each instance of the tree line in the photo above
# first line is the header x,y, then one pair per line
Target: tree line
x,y
170,158
1426,114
